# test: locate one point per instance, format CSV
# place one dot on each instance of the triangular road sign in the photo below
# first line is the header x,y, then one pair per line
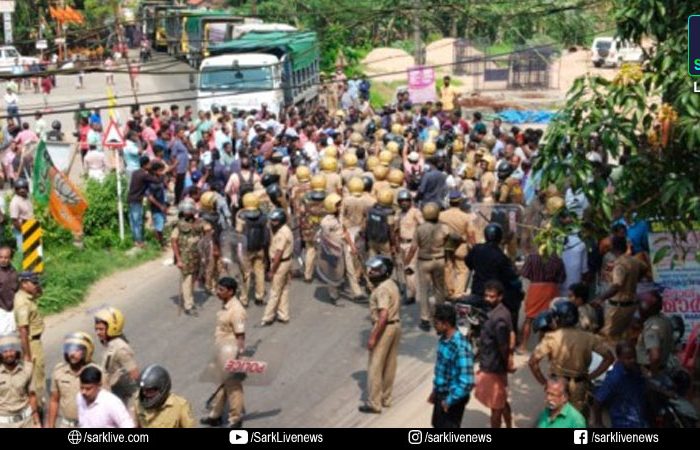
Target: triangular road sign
x,y
112,137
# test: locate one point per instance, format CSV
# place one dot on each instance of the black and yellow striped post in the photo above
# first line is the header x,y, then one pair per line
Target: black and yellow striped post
x,y
32,254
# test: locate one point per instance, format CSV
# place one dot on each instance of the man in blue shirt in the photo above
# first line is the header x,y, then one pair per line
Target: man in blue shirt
x,y
180,162
454,371
623,392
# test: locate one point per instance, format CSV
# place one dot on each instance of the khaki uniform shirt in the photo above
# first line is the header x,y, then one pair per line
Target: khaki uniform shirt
x,y
347,174
67,384
230,320
175,412
27,314
15,388
460,224
333,183
354,210
379,186
408,222
283,172
656,333
569,350
385,296
626,273
431,239
332,230
283,241
488,185
118,361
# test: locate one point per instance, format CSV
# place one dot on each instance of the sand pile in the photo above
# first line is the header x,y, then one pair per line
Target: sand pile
x,y
384,60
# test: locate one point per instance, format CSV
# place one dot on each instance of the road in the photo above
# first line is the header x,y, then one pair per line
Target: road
x,y
317,362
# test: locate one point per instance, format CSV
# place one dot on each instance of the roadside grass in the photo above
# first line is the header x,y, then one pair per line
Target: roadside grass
x,y
384,92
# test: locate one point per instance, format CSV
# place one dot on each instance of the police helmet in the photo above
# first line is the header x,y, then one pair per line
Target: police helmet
x,y
22,183
10,342
379,268
80,341
544,322
566,313
493,233
56,125
154,386
278,215
269,178
504,170
403,196
187,206
113,318
368,183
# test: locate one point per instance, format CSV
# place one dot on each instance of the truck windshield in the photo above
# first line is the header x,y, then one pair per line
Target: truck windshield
x,y
603,45
240,78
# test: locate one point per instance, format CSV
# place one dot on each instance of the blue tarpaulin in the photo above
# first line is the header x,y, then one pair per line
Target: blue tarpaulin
x,y
515,116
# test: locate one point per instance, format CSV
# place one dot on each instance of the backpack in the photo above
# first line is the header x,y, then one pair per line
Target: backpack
x,y
378,224
256,234
245,186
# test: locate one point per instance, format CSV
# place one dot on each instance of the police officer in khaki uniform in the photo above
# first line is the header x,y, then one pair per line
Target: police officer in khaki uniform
x,y
395,179
65,380
350,169
371,164
407,219
280,255
279,169
383,342
569,350
310,216
30,325
185,238
429,241
230,328
333,231
119,361
303,185
354,209
18,404
210,244
158,407
655,342
380,229
329,167
460,224
251,227
622,293
488,179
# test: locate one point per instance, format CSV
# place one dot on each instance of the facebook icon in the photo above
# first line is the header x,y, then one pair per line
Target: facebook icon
x,y
580,437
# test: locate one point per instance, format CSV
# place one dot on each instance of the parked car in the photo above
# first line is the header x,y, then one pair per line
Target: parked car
x,y
9,57
608,51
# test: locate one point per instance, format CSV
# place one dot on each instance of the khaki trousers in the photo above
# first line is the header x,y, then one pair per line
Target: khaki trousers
x,y
379,248
278,303
38,373
430,273
456,275
233,392
309,261
253,264
382,367
617,320
187,291
351,275
410,280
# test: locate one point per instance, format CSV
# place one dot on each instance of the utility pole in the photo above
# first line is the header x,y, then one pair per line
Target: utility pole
x,y
120,40
253,8
417,41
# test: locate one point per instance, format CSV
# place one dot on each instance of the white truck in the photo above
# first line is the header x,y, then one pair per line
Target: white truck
x,y
277,68
9,57
608,51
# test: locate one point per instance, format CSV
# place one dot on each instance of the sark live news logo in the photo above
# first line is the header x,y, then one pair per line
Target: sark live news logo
x,y
582,437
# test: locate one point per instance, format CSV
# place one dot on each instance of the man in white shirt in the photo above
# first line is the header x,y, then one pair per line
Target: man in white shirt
x,y
98,408
12,106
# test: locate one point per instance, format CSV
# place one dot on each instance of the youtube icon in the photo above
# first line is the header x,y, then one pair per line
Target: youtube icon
x,y
238,437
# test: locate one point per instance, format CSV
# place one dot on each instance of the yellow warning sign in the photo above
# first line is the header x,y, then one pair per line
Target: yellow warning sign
x,y
33,260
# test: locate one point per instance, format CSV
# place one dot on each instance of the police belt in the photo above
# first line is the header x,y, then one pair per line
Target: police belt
x,y
15,418
406,241
36,337
622,304
577,379
431,259
391,322
285,259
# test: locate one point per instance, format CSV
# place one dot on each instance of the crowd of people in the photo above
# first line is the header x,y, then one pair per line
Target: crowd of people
x,y
410,204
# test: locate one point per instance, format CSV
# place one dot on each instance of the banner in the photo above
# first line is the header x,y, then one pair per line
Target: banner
x,y
50,186
677,269
421,84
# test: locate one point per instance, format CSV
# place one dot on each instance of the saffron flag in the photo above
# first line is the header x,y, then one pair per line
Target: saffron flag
x,y
51,186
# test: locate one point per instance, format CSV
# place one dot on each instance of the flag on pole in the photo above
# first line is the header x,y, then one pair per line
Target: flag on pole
x,y
51,186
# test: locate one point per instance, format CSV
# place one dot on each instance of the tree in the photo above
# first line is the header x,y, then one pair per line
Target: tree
x,y
648,117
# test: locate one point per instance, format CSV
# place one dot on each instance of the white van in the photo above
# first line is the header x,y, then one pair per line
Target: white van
x,y
608,51
9,56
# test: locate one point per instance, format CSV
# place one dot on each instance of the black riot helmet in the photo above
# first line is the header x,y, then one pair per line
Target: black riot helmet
x,y
504,170
379,268
566,313
154,386
269,179
368,182
279,216
544,322
56,125
493,233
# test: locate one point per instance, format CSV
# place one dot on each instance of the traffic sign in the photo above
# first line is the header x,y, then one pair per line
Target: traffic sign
x,y
42,44
112,137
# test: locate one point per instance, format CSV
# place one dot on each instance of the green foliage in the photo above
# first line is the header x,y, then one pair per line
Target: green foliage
x,y
97,11
101,221
649,114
